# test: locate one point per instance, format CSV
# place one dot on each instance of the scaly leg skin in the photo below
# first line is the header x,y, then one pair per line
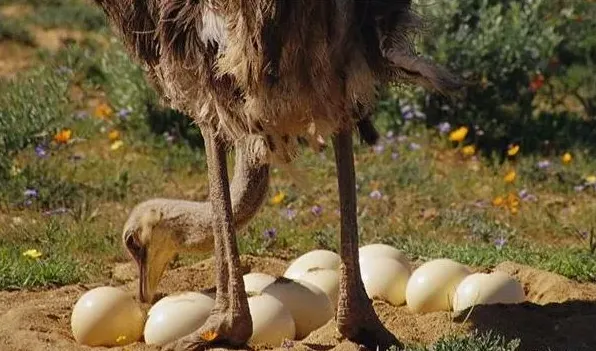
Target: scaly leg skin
x,y
356,318
230,322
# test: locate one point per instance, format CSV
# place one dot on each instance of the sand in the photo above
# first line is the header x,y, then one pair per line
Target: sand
x,y
560,314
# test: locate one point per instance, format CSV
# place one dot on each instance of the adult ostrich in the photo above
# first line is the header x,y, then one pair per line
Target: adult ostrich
x,y
277,71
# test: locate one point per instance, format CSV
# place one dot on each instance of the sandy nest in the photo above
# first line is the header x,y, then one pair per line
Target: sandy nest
x,y
561,314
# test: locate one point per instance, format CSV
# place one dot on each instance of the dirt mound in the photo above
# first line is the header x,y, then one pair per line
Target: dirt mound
x,y
560,314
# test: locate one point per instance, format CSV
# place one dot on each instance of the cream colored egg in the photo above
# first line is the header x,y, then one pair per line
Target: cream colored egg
x,y
385,278
255,282
272,322
176,316
431,287
107,316
309,305
487,289
311,260
382,250
326,280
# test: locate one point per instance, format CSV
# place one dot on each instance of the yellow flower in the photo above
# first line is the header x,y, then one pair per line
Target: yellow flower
x,y
591,179
513,210
566,158
209,335
103,111
32,253
513,150
278,198
15,170
510,177
121,339
116,145
513,200
63,136
498,201
468,150
458,134
114,135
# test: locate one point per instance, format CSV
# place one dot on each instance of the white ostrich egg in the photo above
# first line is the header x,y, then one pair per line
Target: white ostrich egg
x,y
310,307
176,316
431,287
326,280
382,250
255,282
312,260
107,316
385,278
272,322
487,289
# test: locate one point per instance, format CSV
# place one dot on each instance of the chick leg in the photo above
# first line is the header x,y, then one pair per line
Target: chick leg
x,y
230,320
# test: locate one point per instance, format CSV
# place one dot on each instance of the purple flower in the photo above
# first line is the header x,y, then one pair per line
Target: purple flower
x,y
30,193
124,112
375,194
543,164
41,151
379,148
28,202
500,242
579,188
390,134
415,146
81,115
407,112
290,213
316,210
394,155
526,196
402,138
444,127
419,115
270,233
169,137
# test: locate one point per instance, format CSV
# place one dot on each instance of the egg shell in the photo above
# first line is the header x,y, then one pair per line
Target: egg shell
x,y
107,316
385,278
176,316
326,280
255,282
487,289
272,322
312,260
383,250
431,287
309,305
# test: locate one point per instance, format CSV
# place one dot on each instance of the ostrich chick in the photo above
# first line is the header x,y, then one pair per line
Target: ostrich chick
x,y
279,71
158,229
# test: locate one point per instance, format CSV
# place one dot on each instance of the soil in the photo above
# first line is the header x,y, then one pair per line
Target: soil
x,y
560,314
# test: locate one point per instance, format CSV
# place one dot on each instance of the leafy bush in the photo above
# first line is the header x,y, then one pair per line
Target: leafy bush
x,y
509,53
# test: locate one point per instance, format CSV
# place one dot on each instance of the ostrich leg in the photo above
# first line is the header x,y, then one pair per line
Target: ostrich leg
x,y
356,319
230,320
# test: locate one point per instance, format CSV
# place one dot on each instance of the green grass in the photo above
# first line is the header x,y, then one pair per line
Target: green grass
x,y
11,29
474,342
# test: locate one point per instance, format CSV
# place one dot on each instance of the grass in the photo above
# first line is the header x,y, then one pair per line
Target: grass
x,y
474,342
416,190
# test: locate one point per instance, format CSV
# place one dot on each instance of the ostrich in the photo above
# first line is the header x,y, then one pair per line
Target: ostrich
x,y
269,73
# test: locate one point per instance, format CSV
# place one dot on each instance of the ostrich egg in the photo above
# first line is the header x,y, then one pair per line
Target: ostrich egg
x,y
312,260
255,282
326,280
272,322
382,250
486,289
107,316
385,278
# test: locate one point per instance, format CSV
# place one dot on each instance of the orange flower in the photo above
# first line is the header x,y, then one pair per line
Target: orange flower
x,y
114,135
498,201
278,198
103,111
537,82
510,177
63,136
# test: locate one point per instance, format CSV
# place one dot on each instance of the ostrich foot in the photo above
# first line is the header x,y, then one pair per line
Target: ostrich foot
x,y
360,324
221,328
